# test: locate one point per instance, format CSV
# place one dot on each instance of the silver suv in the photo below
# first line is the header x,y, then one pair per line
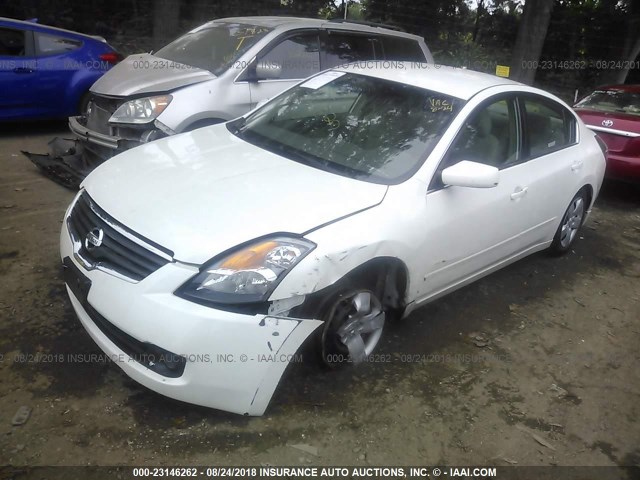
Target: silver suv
x,y
215,73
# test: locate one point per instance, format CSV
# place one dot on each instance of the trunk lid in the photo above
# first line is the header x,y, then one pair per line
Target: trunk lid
x,y
621,132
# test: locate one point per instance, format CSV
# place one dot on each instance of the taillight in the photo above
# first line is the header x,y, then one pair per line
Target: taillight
x,y
111,57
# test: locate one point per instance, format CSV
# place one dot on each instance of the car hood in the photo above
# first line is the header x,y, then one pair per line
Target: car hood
x,y
203,192
144,73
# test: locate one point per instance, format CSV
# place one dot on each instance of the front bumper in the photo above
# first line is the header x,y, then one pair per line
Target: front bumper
x,y
121,137
233,361
109,141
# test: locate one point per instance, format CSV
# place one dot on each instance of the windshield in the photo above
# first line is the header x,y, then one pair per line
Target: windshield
x,y
214,47
353,125
615,101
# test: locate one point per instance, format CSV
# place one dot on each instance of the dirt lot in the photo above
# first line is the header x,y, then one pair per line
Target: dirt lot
x,y
534,365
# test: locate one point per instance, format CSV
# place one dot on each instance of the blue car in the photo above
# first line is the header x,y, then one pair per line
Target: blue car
x,y
46,72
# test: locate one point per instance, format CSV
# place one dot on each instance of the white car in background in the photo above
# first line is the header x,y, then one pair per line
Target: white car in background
x,y
201,262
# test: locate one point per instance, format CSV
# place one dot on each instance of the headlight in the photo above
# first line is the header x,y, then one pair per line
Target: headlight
x,y
248,274
141,110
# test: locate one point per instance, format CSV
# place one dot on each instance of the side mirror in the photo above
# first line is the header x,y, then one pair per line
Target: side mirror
x,y
268,70
471,174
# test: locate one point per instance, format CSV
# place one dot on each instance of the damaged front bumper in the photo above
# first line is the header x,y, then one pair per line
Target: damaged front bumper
x,y
69,161
214,358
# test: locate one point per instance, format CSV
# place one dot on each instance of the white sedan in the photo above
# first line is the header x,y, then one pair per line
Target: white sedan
x,y
202,262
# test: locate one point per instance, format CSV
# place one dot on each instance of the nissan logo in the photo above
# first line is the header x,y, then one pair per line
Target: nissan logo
x,y
607,123
93,239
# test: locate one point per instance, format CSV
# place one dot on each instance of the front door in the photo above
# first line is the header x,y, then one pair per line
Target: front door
x,y
298,57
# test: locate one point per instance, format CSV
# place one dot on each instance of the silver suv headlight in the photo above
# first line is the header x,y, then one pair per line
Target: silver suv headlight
x,y
248,274
141,110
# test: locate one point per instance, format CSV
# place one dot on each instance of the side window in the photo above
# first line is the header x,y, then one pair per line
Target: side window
x,y
298,55
489,136
341,48
403,49
51,44
12,43
549,127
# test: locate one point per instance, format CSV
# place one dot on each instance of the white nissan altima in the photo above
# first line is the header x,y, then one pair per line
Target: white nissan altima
x,y
200,263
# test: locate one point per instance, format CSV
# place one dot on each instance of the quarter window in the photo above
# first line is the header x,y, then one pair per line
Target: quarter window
x,y
402,49
52,44
549,127
11,43
298,55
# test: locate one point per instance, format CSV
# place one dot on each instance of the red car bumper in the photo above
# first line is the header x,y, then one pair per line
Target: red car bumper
x,y
623,168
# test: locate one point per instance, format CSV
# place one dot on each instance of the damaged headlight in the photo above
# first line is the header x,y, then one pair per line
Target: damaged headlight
x,y
141,110
248,274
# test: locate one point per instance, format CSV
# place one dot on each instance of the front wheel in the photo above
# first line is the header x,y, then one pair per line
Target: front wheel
x,y
570,224
354,320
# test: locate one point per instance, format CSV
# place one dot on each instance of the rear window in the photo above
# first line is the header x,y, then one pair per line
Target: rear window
x,y
52,44
213,48
616,101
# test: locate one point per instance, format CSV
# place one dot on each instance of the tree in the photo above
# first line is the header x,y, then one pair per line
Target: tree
x,y
166,21
530,40
630,47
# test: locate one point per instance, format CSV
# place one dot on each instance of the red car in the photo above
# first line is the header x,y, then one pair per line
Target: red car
x,y
613,112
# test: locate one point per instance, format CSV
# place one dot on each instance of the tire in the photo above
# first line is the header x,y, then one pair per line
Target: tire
x,y
572,220
354,321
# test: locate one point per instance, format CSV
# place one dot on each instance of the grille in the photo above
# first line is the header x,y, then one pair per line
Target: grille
x,y
115,251
101,110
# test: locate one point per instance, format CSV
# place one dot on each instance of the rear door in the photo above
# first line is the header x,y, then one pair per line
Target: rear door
x,y
340,47
56,68
552,162
18,68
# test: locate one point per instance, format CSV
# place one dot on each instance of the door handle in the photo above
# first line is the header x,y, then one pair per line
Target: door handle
x,y
22,70
576,166
519,192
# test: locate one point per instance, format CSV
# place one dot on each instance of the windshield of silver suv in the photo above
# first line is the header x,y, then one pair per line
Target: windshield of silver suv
x,y
214,47
353,125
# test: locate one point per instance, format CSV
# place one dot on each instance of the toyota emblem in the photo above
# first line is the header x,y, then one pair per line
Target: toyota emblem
x,y
607,123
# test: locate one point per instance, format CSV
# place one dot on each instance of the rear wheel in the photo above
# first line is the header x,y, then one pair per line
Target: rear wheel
x,y
354,320
570,224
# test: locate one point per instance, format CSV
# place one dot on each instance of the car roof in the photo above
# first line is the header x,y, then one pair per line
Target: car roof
x,y
453,81
622,88
41,27
303,22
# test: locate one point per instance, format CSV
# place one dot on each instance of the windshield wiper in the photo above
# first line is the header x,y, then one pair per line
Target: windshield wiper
x,y
237,126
